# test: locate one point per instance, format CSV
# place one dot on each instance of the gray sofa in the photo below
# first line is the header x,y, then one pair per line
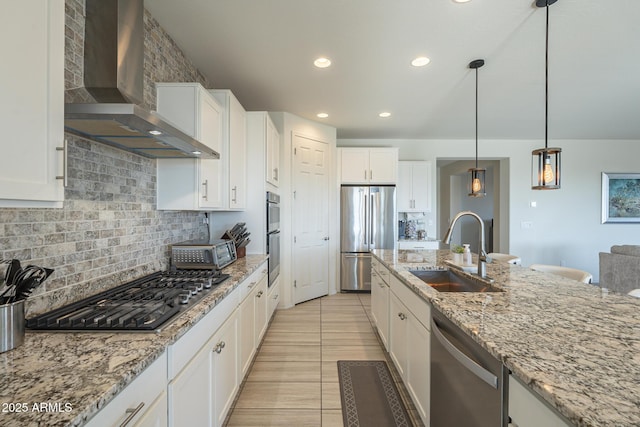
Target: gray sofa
x,y
620,269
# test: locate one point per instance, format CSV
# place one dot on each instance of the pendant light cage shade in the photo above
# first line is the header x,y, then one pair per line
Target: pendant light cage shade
x,y
545,167
477,186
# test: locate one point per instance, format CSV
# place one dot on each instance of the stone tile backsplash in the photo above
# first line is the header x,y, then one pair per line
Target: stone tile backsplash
x,y
108,230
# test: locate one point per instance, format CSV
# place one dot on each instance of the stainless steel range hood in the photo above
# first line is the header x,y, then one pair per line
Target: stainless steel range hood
x,y
113,76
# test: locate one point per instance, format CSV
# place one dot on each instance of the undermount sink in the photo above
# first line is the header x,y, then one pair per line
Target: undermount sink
x,y
448,281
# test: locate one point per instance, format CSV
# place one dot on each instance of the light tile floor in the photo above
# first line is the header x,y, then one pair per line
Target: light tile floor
x,y
294,378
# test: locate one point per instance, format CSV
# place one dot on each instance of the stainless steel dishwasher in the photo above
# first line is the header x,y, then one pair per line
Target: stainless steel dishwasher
x,y
468,385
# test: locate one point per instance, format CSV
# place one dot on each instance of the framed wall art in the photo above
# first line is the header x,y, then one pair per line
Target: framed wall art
x,y
620,197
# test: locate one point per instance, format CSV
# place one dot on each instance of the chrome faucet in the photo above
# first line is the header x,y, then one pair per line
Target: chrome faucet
x,y
482,255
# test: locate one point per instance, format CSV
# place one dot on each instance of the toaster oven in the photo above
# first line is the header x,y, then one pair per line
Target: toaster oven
x,y
205,255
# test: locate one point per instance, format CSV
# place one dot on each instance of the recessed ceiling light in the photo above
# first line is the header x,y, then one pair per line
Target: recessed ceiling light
x,y
322,62
155,132
322,115
197,153
461,1
385,114
420,61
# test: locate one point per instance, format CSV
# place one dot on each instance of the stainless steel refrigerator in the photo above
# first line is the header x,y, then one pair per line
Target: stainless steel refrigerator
x,y
367,221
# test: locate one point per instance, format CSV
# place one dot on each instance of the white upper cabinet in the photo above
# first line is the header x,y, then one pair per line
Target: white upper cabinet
x,y
413,186
204,184
32,165
234,128
368,165
264,140
272,157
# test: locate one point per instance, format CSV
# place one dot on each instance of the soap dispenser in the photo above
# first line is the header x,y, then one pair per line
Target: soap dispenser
x,y
466,254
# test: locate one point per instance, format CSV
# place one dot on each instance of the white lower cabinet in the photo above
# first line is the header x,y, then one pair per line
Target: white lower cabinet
x,y
262,306
155,415
252,319
190,393
409,343
142,403
528,410
202,393
418,378
398,339
380,306
246,332
225,381
274,298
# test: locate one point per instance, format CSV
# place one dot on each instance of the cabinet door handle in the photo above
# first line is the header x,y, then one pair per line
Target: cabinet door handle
x,y
276,296
275,174
132,413
205,184
235,194
64,150
370,175
402,316
259,294
219,347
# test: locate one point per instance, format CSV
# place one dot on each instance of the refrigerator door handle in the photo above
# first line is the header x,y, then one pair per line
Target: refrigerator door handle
x,y
371,223
366,221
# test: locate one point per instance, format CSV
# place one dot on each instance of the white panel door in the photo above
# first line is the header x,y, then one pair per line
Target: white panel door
x,y
310,218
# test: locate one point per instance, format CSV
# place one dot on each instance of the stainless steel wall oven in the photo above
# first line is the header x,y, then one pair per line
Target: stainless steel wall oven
x,y
273,235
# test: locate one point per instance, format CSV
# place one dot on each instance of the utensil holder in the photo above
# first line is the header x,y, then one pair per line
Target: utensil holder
x,y
11,325
241,252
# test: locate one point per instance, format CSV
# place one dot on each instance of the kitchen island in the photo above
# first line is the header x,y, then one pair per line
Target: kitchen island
x,y
64,378
575,346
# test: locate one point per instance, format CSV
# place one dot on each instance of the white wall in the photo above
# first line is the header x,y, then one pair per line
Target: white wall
x,y
566,224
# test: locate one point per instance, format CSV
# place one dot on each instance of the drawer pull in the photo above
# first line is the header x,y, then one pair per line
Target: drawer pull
x,y
132,413
252,284
402,316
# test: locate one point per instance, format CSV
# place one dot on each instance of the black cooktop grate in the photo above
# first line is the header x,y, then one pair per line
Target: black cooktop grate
x,y
144,304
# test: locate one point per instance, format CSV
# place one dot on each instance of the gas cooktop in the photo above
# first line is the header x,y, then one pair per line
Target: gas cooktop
x,y
144,304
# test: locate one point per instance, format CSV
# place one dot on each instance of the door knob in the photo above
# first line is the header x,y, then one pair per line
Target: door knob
x,y
325,238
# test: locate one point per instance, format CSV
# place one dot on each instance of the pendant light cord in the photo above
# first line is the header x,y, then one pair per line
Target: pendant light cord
x,y
476,118
546,81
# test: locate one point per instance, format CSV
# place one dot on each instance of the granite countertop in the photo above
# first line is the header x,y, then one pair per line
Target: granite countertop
x,y
574,345
83,371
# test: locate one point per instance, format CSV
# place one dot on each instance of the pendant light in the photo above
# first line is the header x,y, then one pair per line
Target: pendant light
x,y
545,163
476,175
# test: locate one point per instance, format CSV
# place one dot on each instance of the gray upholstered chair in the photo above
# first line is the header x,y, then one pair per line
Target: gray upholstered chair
x,y
620,269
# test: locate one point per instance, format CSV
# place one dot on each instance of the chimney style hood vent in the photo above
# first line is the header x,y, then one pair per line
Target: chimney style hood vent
x,y
113,75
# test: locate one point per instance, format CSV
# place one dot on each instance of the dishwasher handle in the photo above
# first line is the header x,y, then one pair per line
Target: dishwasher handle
x,y
467,362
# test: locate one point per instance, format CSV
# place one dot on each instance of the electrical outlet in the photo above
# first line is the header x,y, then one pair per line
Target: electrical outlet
x,y
525,225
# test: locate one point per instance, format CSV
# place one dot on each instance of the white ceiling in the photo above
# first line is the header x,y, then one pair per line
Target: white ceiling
x,y
263,50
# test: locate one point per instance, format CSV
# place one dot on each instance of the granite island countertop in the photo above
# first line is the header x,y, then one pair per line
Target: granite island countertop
x,y
78,373
573,344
